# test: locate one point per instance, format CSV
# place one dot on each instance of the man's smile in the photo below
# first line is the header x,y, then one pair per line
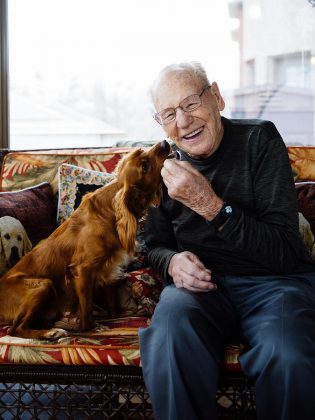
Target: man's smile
x,y
194,134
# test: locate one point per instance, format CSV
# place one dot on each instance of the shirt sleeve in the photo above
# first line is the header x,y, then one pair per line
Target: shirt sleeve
x,y
269,234
160,241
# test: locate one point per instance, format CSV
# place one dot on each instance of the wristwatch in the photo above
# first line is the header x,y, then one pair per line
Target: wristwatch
x,y
224,214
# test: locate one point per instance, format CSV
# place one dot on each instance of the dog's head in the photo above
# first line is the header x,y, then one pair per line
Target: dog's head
x,y
139,180
14,242
139,175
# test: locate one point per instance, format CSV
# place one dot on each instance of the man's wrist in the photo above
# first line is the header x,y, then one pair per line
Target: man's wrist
x,y
221,217
213,209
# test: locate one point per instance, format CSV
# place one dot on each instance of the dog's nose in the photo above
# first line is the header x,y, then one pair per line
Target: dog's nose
x,y
165,147
14,255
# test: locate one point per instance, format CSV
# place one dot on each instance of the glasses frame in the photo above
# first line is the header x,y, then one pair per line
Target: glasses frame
x,y
157,115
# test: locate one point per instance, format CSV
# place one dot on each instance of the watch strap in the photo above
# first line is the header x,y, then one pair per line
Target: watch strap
x,y
221,217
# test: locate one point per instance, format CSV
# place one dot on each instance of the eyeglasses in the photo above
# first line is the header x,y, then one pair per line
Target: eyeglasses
x,y
188,104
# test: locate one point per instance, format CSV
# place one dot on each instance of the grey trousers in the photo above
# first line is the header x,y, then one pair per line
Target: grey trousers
x,y
182,349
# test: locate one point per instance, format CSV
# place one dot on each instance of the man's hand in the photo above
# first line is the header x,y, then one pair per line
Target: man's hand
x,y
185,184
189,272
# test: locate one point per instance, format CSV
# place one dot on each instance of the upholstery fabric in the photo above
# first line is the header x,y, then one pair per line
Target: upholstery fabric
x,y
27,168
73,183
302,162
146,287
34,207
305,193
113,342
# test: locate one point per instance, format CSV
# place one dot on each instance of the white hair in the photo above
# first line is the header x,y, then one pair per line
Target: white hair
x,y
194,68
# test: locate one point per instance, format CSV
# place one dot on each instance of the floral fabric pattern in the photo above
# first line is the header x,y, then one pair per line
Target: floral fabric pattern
x,y
70,177
113,342
24,169
302,162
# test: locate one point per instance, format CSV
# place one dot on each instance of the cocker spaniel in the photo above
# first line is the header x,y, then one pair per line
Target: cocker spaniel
x,y
88,250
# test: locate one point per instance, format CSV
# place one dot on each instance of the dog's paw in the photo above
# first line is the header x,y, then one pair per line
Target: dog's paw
x,y
55,333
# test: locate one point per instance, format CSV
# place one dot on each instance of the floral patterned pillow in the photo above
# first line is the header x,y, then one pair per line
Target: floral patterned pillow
x,y
146,286
73,183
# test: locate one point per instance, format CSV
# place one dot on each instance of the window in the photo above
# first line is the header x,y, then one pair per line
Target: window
x,y
277,62
293,69
80,70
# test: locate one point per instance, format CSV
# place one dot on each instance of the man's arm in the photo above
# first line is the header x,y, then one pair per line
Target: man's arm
x,y
183,268
160,241
269,234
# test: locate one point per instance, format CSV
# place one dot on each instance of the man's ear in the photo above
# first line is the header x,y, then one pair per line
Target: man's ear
x,y
217,95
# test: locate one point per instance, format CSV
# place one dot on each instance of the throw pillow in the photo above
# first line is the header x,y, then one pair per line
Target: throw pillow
x,y
305,193
73,183
146,287
302,162
26,217
23,169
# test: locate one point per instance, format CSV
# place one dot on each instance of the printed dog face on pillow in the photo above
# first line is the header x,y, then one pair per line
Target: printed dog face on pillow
x,y
14,242
307,234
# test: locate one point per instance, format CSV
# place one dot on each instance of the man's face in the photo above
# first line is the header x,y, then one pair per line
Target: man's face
x,y
199,132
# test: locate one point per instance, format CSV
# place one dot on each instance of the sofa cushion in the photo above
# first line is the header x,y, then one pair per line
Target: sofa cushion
x,y
305,192
113,342
73,183
34,208
23,169
302,162
146,287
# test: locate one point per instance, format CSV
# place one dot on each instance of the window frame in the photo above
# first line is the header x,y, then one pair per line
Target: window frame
x,y
4,76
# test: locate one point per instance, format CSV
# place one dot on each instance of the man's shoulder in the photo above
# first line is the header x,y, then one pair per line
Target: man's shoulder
x,y
255,125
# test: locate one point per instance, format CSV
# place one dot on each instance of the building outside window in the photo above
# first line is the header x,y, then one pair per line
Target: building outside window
x,y
277,66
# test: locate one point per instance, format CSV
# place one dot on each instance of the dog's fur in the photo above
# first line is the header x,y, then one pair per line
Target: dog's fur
x,y
86,251
14,242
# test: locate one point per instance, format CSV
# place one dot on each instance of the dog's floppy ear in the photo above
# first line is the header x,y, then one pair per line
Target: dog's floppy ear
x,y
156,198
27,244
1,245
126,223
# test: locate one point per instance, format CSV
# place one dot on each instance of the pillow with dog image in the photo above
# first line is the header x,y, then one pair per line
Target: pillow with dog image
x,y
305,193
26,217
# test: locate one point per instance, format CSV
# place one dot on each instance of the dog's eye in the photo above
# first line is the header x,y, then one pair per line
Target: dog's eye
x,y
145,166
7,236
19,238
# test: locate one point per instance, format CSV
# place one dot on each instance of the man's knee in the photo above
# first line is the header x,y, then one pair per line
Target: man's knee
x,y
177,309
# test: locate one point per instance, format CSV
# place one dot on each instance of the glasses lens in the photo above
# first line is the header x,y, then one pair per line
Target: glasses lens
x,y
191,103
167,115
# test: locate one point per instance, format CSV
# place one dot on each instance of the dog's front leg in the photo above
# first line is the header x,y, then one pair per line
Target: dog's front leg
x,y
84,286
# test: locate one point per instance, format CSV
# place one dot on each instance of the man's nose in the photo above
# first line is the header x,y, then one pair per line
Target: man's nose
x,y
183,119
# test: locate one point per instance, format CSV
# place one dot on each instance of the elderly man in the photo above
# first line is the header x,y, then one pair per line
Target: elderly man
x,y
225,239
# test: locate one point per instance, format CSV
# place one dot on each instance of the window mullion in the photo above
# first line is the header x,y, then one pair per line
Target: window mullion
x,y
4,71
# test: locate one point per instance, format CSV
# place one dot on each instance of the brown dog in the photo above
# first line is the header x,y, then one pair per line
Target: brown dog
x,y
86,251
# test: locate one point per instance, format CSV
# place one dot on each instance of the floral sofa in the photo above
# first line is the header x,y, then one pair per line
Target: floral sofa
x,y
98,374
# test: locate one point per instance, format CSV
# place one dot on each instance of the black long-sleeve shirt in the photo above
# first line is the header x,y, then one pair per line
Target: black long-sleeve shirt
x,y
250,171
